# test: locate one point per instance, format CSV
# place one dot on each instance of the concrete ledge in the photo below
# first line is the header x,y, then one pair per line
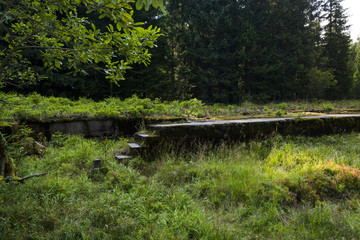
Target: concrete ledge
x,y
111,127
88,128
252,129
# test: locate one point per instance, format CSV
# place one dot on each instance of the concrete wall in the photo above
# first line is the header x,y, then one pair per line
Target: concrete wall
x,y
253,129
90,128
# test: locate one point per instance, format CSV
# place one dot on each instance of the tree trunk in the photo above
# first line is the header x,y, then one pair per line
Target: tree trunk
x,y
3,155
6,166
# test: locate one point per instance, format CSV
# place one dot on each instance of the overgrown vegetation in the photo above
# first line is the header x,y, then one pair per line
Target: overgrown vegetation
x,y
281,188
36,107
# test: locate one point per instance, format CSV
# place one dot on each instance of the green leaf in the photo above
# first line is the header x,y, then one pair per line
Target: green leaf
x,y
126,17
139,4
155,3
147,4
119,26
161,4
110,28
58,64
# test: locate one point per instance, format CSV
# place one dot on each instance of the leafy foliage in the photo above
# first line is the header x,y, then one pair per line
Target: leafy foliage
x,y
216,51
67,39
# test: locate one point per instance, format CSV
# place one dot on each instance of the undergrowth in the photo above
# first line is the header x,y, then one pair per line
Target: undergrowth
x,y
34,107
280,188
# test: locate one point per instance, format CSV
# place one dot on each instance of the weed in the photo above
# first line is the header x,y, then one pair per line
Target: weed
x,y
328,107
280,113
283,106
267,111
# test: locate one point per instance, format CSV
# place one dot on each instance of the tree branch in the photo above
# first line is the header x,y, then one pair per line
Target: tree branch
x,y
21,180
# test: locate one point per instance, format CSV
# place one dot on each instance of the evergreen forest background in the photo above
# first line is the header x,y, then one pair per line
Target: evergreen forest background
x,y
229,51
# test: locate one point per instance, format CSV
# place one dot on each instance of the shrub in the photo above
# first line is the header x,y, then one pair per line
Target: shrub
x,y
328,107
324,182
280,113
283,106
267,111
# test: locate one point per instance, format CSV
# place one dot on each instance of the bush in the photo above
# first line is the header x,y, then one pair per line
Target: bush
x,y
280,113
283,106
328,107
324,182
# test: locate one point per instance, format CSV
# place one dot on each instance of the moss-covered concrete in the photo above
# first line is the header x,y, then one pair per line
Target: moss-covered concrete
x,y
111,127
255,129
214,131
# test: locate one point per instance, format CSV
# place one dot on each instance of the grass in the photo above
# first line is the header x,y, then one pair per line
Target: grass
x,y
280,188
35,107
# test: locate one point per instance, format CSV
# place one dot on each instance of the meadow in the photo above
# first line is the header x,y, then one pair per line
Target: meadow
x,y
34,107
279,188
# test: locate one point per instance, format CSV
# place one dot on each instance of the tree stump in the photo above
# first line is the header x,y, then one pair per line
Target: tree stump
x,y
97,164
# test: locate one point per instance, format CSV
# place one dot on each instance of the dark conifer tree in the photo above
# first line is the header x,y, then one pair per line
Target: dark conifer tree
x,y
273,57
336,48
206,37
355,64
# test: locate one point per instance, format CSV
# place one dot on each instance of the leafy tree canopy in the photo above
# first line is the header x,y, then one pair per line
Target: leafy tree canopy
x,y
61,30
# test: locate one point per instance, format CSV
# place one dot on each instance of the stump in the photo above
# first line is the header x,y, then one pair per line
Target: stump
x,y
97,164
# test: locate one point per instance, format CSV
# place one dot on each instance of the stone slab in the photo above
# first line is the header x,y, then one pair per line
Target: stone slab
x,y
257,128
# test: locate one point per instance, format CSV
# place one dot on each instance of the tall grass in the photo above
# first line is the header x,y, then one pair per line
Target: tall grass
x,y
280,188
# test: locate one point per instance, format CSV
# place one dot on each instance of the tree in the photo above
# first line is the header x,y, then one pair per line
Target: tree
x,y
202,39
155,80
336,48
273,55
64,38
212,56
67,40
355,60
314,77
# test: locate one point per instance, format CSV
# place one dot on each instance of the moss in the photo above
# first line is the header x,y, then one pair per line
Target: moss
x,y
8,128
152,120
304,126
10,168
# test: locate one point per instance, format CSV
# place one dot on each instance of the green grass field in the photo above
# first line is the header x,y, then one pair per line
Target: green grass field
x,y
280,188
15,107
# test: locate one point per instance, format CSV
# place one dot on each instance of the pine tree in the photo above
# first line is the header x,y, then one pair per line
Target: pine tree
x,y
205,38
273,56
355,64
336,48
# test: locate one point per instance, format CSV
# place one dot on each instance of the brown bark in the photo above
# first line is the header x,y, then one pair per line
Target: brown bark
x,y
3,155
6,166
21,180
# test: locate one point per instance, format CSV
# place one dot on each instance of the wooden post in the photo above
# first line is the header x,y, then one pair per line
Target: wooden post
x,y
97,164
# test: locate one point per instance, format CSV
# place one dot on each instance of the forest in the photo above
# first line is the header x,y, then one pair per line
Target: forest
x,y
280,77
227,51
